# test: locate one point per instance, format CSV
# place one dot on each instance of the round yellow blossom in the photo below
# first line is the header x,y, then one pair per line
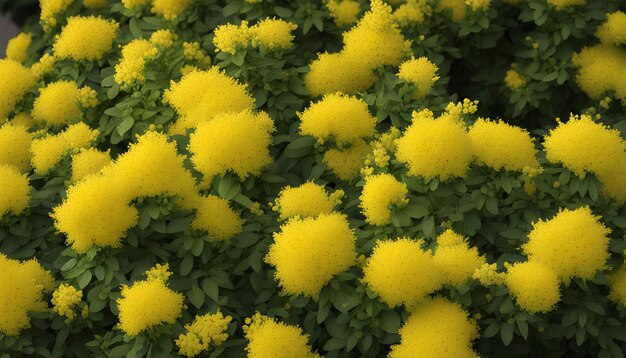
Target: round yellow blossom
x,y
43,66
450,238
456,260
21,287
435,147
94,4
420,72
413,12
15,144
49,150
308,199
514,80
16,81
458,8
14,191
437,328
613,30
201,95
65,298
564,4
534,285
57,104
574,243
488,275
401,273
308,253
379,193
133,4
346,162
229,37
333,72
23,119
85,38
88,97
617,281
600,70
163,37
269,338
272,34
169,9
499,145
49,11
215,216
87,162
147,304
478,5
344,118
17,47
135,54
343,12
235,142
192,51
205,331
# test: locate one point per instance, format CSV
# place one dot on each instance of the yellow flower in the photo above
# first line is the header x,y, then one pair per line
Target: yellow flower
x,y
94,4
617,281
435,147
135,54
613,30
272,34
420,72
16,81
169,9
133,4
57,104
488,275
499,145
343,12
401,273
192,51
49,150
534,285
50,9
269,338
333,72
457,261
43,66
413,12
205,331
564,4
379,193
159,272
308,253
64,298
163,37
14,191
478,5
342,117
514,79
346,162
458,8
232,142
574,243
600,70
15,144
17,47
306,200
437,328
229,37
21,287
215,216
85,38
87,162
23,119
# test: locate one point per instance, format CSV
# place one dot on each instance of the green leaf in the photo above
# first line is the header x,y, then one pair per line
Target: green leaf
x,y
84,279
196,296
186,265
390,321
211,289
334,344
506,333
125,125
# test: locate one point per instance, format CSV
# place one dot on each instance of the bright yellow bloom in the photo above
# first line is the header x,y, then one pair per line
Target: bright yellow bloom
x,y
14,191
17,47
133,4
229,37
16,81
340,117
564,4
163,37
308,253
64,299
85,38
344,12
88,161
488,275
23,119
192,51
346,162
534,285
420,72
215,216
478,5
15,144
270,338
617,281
574,243
457,261
94,4
457,7
159,272
57,104
49,150
135,54
272,34
21,287
43,66
49,11
413,12
205,331
600,70
437,328
499,145
379,193
613,30
169,9
333,72
401,273
201,95
232,142
306,200
435,147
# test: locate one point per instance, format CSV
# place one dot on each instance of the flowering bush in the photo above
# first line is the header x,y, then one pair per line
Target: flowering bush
x,y
314,178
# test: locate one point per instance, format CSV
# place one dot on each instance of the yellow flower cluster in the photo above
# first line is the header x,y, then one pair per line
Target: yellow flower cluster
x,y
457,8
88,161
94,4
514,80
455,259
204,331
613,30
617,281
64,299
169,9
43,66
306,200
57,104
413,12
272,34
164,38
375,41
15,142
379,193
401,273
232,142
534,285
22,285
22,119
201,95
488,275
214,215
435,147
420,72
133,4
229,37
381,148
560,5
85,38
309,252
49,10
343,12
16,81
147,304
17,47
600,70
49,150
269,338
135,54
346,162
499,145
437,328
14,191
583,145
478,5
